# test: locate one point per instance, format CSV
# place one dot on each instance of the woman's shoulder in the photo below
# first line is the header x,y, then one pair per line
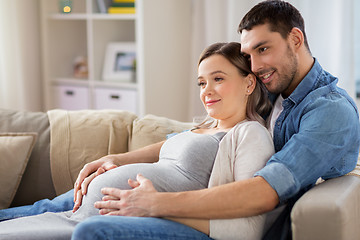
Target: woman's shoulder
x,y
251,131
250,126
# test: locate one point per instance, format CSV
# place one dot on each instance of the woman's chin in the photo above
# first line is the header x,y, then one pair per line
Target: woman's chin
x,y
213,114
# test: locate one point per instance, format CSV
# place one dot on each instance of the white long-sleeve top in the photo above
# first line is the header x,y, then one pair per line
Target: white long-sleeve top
x,y
243,151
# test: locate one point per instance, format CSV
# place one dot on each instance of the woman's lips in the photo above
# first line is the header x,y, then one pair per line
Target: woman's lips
x,y
212,102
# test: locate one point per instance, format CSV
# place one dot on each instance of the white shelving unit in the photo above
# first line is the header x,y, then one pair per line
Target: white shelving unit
x,y
161,30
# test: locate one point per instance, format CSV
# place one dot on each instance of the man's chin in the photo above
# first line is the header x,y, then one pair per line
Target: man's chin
x,y
271,89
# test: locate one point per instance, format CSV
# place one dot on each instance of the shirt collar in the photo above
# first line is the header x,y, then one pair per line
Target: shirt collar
x,y
307,84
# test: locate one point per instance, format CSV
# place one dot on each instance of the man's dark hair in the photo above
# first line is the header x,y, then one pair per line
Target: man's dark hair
x,y
281,16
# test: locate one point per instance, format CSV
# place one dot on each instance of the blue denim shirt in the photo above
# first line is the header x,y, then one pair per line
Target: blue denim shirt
x,y
316,135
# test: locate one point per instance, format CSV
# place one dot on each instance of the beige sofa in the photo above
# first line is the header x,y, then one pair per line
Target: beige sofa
x,y
52,148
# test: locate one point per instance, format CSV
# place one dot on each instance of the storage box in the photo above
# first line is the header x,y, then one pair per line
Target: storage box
x,y
121,99
70,97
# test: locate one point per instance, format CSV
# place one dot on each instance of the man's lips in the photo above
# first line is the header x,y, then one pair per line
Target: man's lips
x,y
265,78
211,102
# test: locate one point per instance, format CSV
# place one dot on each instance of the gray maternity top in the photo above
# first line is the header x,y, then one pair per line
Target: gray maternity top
x,y
185,163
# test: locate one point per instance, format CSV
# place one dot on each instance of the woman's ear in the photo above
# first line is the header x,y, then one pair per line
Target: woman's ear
x,y
251,83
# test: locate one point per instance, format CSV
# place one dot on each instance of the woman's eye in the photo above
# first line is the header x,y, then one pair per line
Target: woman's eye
x,y
201,84
218,79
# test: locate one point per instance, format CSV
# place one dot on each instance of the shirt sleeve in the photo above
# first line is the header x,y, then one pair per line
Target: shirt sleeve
x,y
328,131
251,147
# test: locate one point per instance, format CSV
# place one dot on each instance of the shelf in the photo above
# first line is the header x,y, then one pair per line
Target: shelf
x,y
105,16
71,81
85,82
161,67
95,16
113,84
68,16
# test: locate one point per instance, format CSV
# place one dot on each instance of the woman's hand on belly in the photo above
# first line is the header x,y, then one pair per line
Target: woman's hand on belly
x,y
80,193
88,173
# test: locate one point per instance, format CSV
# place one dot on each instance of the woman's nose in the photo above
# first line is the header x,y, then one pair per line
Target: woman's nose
x,y
208,90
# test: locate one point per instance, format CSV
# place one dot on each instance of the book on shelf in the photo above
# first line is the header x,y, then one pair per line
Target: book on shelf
x,y
121,1
103,5
121,10
123,4
122,7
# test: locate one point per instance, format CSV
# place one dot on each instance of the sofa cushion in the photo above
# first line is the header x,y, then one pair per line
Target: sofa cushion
x,y
152,129
15,150
80,137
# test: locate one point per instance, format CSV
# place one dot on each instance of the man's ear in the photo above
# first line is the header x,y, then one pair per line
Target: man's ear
x,y
251,83
296,37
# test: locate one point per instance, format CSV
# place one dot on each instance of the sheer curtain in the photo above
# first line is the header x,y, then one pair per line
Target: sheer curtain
x,y
20,67
329,27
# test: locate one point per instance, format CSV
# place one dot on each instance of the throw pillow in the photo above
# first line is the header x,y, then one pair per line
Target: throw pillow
x,y
152,129
15,150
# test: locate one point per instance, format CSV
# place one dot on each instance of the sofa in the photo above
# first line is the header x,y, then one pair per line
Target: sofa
x,y
41,154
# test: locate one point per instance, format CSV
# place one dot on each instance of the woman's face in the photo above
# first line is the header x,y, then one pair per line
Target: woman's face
x,y
223,91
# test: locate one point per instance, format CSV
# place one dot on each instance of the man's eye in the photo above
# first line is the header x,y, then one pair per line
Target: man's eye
x,y
263,49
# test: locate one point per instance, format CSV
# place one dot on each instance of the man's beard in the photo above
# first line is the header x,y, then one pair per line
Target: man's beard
x,y
288,77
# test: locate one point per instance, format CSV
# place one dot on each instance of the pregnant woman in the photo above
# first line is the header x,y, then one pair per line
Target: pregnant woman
x,y
234,100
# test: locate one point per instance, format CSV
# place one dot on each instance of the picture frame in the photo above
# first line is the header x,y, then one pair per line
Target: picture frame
x,y
120,62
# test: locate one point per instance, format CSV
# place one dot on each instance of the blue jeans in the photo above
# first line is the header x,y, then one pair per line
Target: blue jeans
x,y
118,227
61,203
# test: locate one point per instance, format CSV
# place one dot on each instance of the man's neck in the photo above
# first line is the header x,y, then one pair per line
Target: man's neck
x,y
305,66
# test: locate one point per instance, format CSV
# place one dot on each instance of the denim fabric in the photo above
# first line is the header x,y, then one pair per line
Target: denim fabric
x,y
61,203
129,228
316,135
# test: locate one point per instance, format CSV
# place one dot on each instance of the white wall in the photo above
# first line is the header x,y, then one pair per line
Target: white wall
x,y
330,30
356,40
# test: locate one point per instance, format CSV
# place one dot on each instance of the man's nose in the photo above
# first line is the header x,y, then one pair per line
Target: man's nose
x,y
256,64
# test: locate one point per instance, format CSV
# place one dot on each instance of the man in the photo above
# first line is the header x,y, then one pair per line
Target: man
x,y
314,123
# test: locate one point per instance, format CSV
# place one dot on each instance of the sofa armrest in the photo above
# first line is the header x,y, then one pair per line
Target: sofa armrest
x,y
330,210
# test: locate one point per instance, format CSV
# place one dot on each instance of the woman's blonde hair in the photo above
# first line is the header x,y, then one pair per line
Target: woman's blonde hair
x,y
258,104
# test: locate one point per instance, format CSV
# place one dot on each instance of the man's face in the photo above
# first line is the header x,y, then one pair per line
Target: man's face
x,y
272,58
